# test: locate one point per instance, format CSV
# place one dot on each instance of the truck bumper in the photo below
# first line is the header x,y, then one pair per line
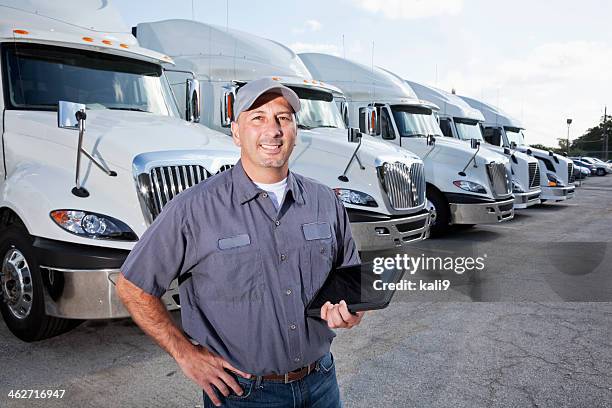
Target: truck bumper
x,y
524,200
79,280
390,233
482,213
557,193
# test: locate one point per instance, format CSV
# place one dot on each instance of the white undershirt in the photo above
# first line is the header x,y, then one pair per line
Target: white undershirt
x,y
276,191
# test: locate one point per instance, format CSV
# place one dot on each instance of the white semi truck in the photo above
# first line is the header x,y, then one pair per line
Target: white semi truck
x,y
500,129
93,147
459,120
381,186
467,185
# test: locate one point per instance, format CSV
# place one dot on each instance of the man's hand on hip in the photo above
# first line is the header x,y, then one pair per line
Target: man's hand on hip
x,y
338,316
208,369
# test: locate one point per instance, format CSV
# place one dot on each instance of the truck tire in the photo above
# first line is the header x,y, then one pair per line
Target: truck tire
x,y
441,224
21,290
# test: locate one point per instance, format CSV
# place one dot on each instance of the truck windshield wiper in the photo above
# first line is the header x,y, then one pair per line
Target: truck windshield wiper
x,y
304,127
129,109
326,126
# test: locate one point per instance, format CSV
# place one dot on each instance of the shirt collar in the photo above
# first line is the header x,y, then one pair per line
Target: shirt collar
x,y
247,190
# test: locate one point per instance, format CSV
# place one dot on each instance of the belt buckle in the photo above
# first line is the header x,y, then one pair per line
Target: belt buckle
x,y
286,375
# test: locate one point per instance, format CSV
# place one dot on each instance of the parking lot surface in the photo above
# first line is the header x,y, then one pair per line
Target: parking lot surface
x,y
532,329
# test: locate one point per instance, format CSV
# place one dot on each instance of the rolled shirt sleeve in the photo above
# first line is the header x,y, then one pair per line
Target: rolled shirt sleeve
x,y
347,253
160,254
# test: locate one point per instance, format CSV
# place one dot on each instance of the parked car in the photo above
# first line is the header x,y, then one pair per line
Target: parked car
x,y
601,168
590,167
580,173
595,159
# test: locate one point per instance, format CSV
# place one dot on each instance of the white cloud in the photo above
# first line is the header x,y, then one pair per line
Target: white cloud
x,y
299,47
313,25
411,9
543,88
308,26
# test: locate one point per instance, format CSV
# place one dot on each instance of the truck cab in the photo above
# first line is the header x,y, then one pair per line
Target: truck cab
x,y
500,129
93,149
466,185
381,186
460,121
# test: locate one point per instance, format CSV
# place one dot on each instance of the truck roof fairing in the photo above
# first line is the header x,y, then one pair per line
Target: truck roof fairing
x,y
71,24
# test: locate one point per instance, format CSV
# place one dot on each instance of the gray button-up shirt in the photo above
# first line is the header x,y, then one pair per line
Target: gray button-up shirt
x,y
252,269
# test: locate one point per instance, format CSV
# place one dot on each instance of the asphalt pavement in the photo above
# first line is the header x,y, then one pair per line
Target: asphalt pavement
x,y
533,328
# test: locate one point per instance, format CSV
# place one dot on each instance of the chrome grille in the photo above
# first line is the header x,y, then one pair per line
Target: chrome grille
x,y
403,184
534,175
168,181
499,178
158,184
225,167
570,173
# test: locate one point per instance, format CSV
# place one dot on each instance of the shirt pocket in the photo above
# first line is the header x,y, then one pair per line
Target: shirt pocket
x,y
230,276
319,254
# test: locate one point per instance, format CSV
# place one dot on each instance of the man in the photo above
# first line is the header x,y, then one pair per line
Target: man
x,y
251,247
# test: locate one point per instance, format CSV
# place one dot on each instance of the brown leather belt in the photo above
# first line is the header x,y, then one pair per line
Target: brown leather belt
x,y
291,376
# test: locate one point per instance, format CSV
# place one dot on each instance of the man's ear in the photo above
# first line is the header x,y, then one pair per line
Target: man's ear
x,y
235,133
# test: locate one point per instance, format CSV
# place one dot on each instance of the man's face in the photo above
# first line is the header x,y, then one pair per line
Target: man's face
x,y
266,133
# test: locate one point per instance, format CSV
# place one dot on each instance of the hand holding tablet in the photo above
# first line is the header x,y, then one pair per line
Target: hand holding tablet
x,y
339,317
352,287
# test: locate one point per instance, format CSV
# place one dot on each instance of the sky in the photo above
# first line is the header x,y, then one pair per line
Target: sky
x,y
540,61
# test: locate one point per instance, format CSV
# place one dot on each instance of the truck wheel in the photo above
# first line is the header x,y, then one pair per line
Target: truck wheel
x,y
441,223
601,172
21,291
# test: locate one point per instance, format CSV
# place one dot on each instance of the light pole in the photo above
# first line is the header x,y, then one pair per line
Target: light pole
x,y
569,122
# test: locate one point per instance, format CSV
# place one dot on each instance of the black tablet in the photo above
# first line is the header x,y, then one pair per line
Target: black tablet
x,y
358,286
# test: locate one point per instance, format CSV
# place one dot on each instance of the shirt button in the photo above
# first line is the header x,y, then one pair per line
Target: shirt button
x,y
283,257
297,359
277,223
288,292
264,195
293,327
322,250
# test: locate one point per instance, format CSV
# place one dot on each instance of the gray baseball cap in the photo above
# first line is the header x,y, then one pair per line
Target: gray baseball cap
x,y
248,94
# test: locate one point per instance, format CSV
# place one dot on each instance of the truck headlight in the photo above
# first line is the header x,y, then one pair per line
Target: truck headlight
x,y
517,187
553,180
355,197
91,225
470,186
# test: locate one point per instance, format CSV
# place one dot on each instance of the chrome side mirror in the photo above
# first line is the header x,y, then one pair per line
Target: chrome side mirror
x,y
354,135
192,100
474,143
227,107
371,121
431,140
72,115
66,114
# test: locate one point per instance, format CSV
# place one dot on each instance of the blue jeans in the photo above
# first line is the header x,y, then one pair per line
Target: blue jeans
x,y
319,389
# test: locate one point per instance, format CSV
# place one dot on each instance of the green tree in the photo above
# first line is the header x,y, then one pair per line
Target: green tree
x,y
592,142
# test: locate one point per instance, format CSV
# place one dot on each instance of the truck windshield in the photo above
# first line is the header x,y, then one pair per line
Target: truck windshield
x,y
318,109
39,76
515,135
414,121
468,129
